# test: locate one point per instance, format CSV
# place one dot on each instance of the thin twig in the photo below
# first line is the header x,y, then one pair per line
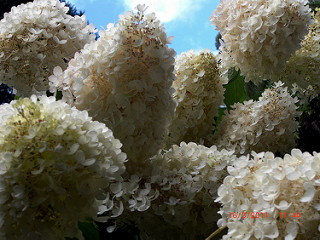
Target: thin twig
x,y
216,232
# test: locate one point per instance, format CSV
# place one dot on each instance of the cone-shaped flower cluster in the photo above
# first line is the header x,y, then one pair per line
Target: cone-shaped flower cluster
x,y
302,69
34,38
57,167
267,124
187,178
199,92
259,36
124,80
273,198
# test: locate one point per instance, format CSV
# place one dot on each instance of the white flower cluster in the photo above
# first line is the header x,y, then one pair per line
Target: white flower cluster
x,y
305,94
199,92
124,80
137,194
34,38
302,69
57,168
268,124
187,178
259,36
285,192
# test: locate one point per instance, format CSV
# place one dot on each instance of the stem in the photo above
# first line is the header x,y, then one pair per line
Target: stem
x,y
216,232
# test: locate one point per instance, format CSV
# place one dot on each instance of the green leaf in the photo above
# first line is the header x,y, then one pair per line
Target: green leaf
x,y
219,118
89,229
255,91
235,89
58,95
126,230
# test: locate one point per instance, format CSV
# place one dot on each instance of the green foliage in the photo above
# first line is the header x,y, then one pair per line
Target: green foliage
x,y
313,4
234,89
218,37
6,5
72,9
254,92
126,231
234,92
89,229
306,110
58,95
218,119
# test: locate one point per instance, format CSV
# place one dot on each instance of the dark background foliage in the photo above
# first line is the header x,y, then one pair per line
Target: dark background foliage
x,y
309,131
6,5
313,4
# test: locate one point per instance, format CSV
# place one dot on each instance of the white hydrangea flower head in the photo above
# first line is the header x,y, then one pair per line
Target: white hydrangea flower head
x,y
305,94
271,185
57,168
259,36
187,178
302,69
267,124
124,80
138,193
199,92
34,38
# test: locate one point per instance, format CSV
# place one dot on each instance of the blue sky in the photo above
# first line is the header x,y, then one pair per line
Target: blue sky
x,y
186,20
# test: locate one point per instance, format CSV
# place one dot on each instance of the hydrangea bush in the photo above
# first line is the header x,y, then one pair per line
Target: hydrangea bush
x,y
182,164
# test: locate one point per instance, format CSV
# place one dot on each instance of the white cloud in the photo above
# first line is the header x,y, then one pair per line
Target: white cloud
x,y
166,10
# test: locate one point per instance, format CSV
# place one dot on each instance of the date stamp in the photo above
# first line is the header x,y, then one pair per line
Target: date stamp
x,y
289,215
239,215
282,215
